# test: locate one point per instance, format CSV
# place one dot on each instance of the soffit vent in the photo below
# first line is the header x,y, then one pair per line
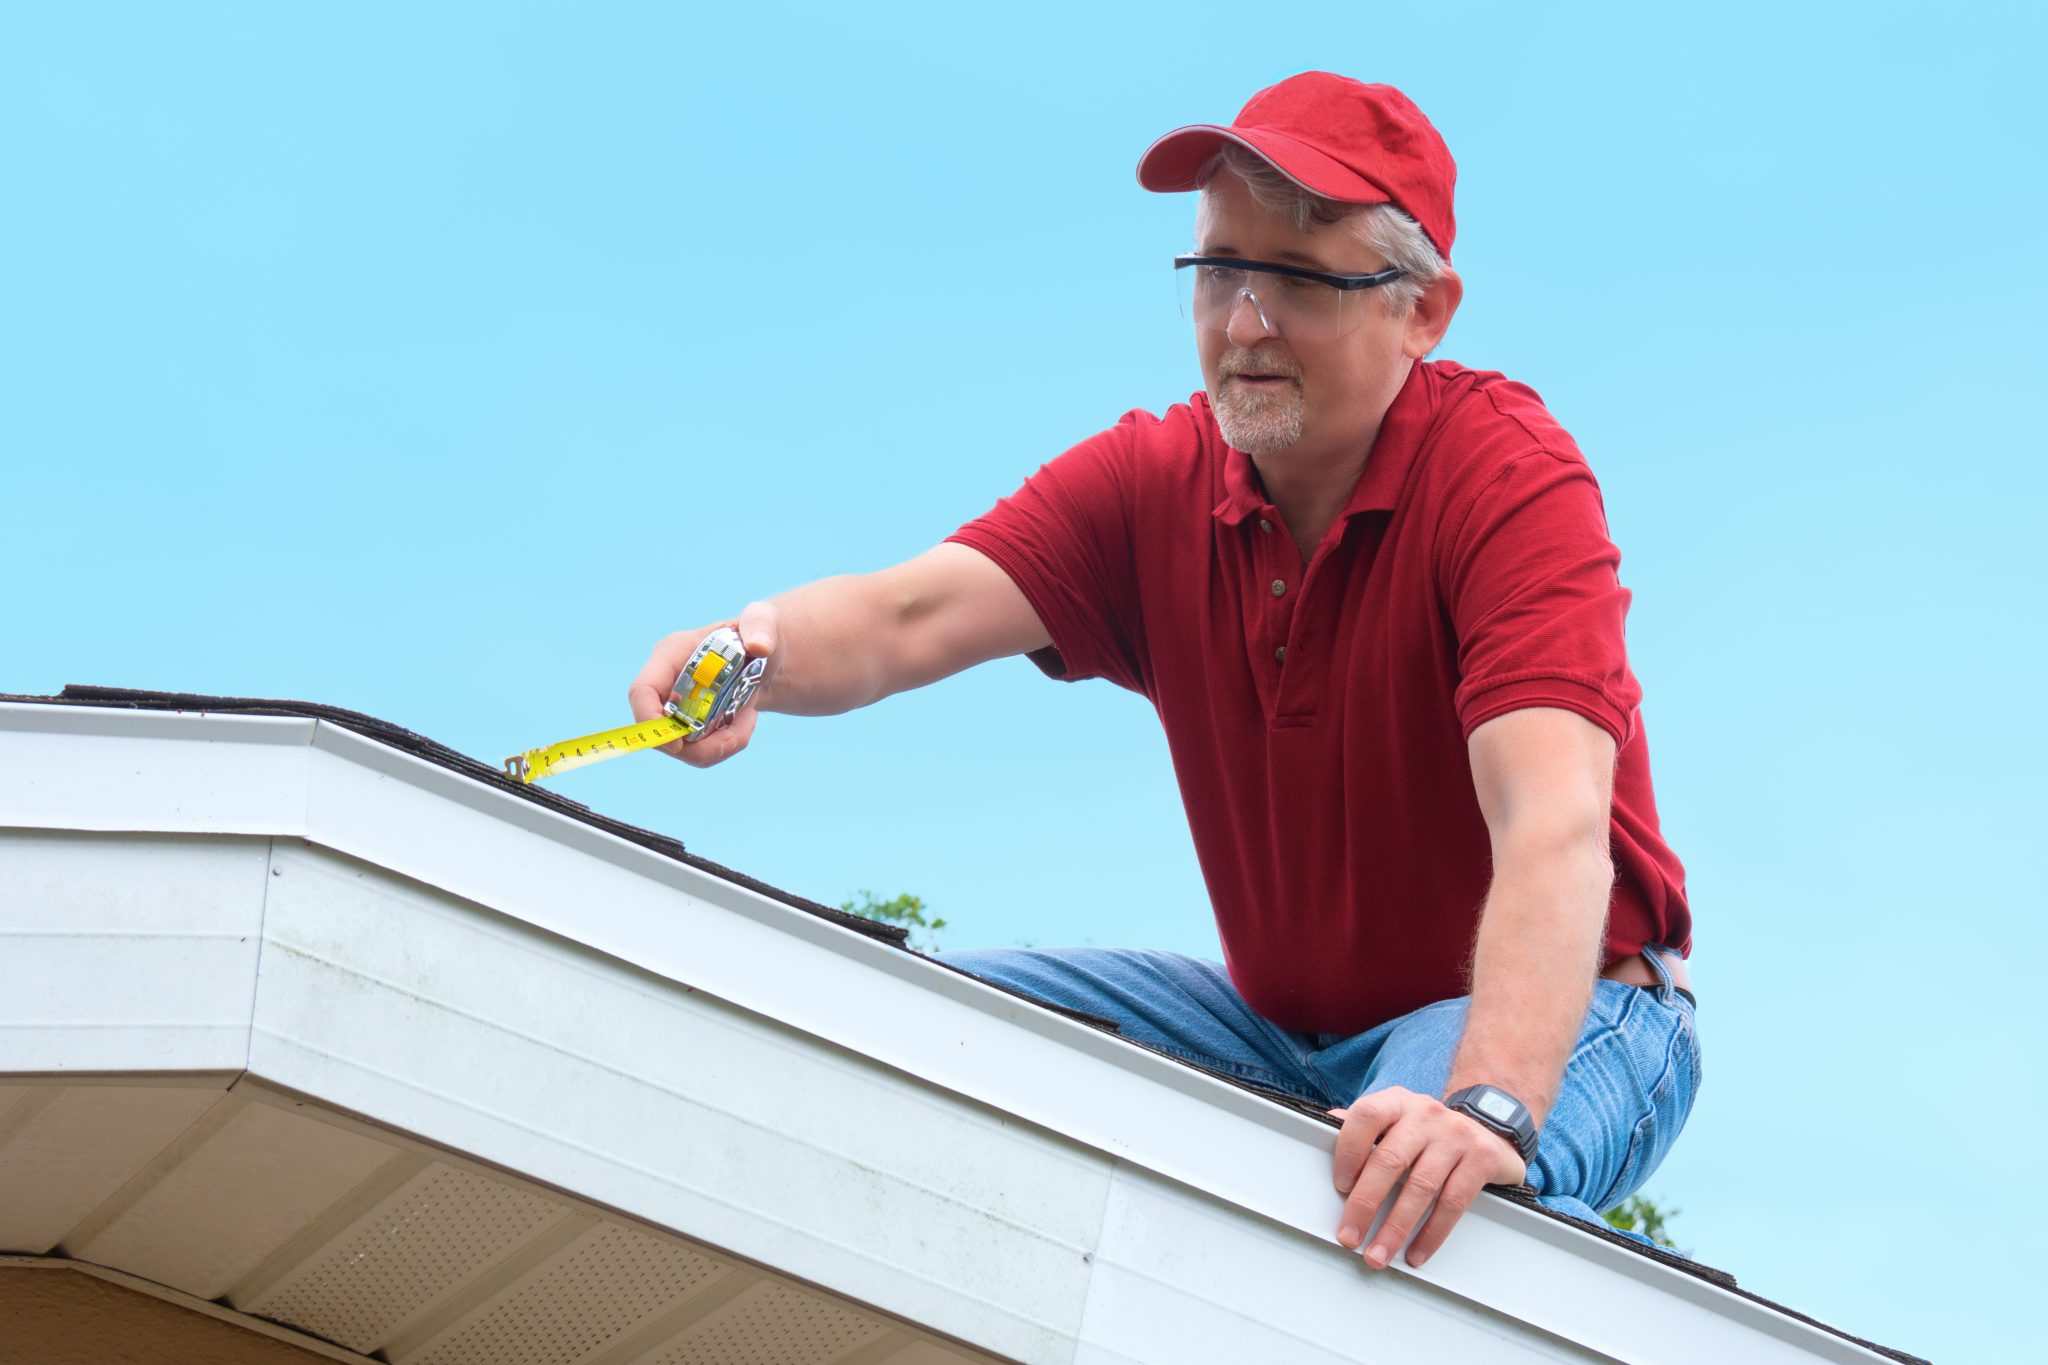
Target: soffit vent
x,y
774,1322
603,1284
437,1232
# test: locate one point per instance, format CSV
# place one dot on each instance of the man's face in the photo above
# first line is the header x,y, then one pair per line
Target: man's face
x,y
1273,393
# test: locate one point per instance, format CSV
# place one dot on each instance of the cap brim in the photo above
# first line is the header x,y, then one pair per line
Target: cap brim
x,y
1174,163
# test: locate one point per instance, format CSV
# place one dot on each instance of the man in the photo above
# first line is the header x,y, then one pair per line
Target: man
x,y
1374,602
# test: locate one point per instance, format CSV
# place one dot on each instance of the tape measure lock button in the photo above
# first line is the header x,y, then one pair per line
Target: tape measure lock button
x,y
720,681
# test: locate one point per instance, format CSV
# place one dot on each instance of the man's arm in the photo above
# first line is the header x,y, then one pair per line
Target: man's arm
x,y
1544,779
846,642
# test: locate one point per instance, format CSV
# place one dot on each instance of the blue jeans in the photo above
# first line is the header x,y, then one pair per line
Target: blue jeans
x,y
1626,1091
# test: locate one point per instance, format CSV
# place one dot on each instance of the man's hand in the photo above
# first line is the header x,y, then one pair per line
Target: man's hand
x,y
760,629
1447,1157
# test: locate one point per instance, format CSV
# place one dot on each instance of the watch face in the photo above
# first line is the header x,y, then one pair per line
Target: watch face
x,y
1496,1105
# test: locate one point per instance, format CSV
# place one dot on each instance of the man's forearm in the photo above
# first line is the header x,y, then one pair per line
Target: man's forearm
x,y
849,641
830,650
1534,964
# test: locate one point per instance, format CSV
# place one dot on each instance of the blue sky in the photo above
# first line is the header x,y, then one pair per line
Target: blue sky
x,y
434,361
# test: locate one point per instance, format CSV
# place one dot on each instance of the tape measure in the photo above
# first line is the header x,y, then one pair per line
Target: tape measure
x,y
715,683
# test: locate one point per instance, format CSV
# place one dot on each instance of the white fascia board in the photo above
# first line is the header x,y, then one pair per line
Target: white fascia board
x,y
543,869
128,951
173,772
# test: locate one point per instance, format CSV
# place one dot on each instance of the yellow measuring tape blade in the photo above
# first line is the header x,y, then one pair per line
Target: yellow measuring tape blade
x,y
535,764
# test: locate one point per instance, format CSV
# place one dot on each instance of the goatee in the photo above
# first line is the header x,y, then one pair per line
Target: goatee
x,y
1258,422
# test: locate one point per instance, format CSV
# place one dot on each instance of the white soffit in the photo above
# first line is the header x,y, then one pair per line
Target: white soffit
x,y
501,979
427,1259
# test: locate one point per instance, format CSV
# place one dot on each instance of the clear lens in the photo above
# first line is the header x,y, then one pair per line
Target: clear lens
x,y
1306,310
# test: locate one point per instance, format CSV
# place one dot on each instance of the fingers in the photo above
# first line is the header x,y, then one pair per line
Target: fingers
x,y
1427,1176
649,691
1459,1191
1398,1149
716,748
1437,1158
1364,1121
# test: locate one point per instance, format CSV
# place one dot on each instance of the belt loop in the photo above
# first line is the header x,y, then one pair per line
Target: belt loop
x,y
1667,989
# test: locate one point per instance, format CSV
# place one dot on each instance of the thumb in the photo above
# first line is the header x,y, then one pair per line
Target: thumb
x,y
761,629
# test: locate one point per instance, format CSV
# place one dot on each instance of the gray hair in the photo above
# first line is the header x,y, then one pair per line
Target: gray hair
x,y
1388,230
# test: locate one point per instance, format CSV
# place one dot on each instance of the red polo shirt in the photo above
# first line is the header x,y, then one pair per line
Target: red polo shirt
x,y
1318,715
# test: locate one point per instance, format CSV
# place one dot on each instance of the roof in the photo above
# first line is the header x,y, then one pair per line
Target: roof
x,y
341,1029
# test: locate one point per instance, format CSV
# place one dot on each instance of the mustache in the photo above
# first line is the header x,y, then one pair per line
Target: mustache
x,y
1251,362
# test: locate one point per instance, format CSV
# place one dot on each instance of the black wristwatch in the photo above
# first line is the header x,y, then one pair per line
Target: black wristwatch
x,y
1501,1112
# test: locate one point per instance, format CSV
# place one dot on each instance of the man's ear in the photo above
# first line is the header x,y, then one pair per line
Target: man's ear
x,y
1431,316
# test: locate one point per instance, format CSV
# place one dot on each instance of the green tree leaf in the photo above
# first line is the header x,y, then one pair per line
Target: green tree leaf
x,y
1639,1214
906,910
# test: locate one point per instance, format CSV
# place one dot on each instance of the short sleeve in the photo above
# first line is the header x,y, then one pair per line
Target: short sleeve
x,y
1532,588
1064,538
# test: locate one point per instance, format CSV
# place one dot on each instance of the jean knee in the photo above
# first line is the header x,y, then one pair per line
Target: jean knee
x,y
1671,1074
1627,1090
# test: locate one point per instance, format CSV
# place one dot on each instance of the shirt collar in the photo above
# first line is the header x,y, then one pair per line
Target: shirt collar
x,y
1386,468
1243,499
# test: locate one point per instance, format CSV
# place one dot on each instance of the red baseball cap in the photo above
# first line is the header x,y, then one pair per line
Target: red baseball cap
x,y
1335,137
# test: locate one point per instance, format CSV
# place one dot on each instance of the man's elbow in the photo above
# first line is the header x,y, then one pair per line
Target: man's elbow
x,y
1569,837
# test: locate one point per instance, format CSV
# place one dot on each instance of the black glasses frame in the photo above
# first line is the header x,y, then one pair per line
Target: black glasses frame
x,y
1372,281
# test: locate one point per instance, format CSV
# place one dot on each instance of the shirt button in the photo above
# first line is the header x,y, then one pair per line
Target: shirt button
x,y
1280,654
1265,525
1279,588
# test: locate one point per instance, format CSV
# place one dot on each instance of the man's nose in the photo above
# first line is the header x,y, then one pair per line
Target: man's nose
x,y
1248,323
